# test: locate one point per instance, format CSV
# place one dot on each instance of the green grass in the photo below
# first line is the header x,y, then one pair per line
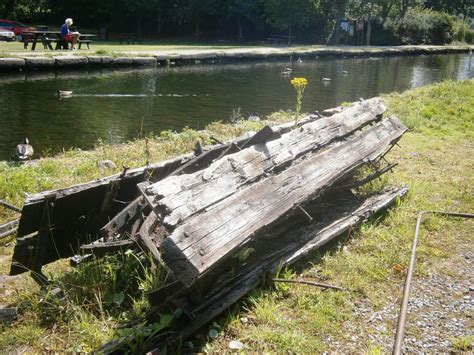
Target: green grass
x,y
463,343
435,159
111,47
151,47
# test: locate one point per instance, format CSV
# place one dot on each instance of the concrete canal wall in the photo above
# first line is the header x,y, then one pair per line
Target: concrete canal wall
x,y
159,58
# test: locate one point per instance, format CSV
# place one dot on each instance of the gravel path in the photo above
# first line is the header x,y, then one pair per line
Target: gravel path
x,y
440,313
441,307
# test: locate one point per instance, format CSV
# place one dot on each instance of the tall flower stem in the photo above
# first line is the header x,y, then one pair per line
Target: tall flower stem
x,y
300,85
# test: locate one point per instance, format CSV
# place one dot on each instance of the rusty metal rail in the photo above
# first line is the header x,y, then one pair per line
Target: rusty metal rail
x,y
10,206
10,227
402,316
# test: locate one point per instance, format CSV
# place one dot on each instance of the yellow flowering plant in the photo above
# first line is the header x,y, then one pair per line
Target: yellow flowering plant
x,y
299,84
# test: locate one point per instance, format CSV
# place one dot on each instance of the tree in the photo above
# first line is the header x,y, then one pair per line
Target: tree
x,y
195,10
138,8
23,10
340,13
243,10
465,8
8,8
289,14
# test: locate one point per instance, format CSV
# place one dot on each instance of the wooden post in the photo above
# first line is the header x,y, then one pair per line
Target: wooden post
x,y
44,233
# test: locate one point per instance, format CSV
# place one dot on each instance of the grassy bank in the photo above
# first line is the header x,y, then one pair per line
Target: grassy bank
x,y
153,48
436,160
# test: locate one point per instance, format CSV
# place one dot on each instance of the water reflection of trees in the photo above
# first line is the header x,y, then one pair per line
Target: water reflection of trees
x,y
28,106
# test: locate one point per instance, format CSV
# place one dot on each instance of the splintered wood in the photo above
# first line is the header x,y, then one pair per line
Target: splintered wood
x,y
105,208
214,212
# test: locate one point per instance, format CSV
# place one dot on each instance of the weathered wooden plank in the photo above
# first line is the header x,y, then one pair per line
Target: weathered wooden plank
x,y
8,228
122,219
185,196
100,249
266,134
77,218
78,200
151,234
160,295
299,244
317,238
205,239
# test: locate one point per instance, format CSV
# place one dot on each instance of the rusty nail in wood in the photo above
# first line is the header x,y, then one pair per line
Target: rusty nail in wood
x,y
125,168
310,219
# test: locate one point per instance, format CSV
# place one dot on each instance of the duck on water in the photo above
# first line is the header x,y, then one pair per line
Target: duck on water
x,y
64,94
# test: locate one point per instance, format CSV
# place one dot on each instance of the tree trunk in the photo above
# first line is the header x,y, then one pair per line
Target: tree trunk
x,y
139,26
336,33
404,8
369,26
239,25
386,12
159,23
198,33
290,33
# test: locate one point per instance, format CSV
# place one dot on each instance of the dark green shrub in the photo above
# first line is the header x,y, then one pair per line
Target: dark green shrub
x,y
463,33
424,26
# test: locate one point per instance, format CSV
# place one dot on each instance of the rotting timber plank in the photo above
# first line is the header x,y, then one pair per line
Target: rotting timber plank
x,y
78,200
8,228
185,196
77,218
204,240
122,219
100,249
298,245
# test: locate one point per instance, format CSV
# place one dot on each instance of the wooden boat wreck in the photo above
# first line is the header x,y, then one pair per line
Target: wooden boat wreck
x,y
274,197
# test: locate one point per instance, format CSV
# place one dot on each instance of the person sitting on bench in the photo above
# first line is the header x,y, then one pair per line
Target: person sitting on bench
x,y
67,35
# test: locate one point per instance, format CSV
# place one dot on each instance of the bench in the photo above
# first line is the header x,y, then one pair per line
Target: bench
x,y
51,38
278,39
60,44
26,39
85,41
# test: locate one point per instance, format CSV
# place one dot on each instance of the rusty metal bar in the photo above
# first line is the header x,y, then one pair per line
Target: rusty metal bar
x,y
12,207
402,316
311,283
9,228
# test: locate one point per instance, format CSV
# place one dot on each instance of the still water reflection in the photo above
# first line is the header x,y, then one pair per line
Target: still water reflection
x,y
117,106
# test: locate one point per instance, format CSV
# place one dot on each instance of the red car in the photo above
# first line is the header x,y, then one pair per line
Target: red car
x,y
16,27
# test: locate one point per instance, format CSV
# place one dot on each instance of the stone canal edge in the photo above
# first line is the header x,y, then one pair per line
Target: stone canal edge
x,y
34,61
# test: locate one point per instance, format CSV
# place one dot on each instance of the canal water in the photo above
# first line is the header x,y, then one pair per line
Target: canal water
x,y
117,106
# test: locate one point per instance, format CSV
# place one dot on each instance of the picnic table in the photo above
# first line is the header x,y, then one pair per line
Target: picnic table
x,y
86,39
47,37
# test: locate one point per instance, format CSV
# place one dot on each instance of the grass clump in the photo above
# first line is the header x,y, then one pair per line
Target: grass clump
x,y
463,343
